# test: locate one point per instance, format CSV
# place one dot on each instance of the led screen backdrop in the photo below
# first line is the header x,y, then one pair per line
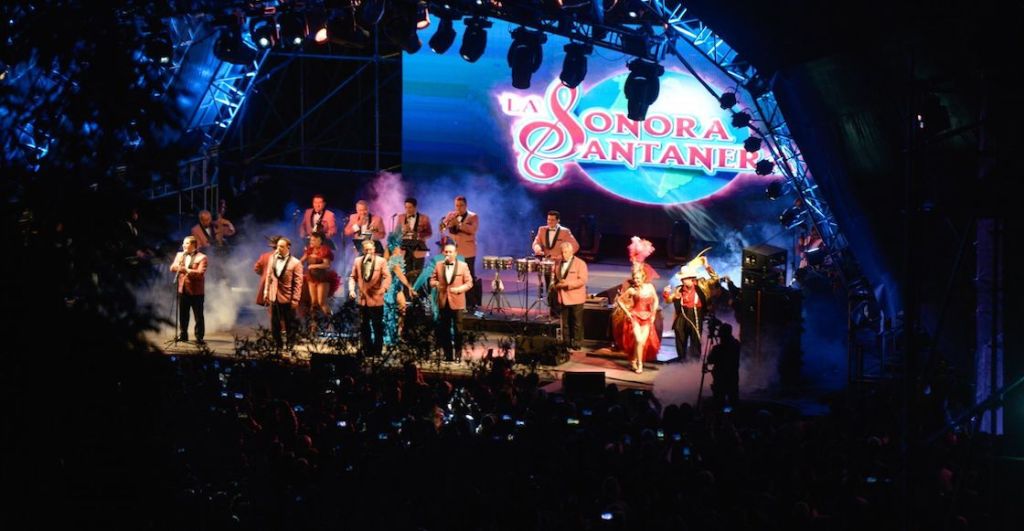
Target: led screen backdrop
x,y
574,150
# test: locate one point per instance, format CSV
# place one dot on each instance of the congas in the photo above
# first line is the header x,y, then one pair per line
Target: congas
x,y
505,263
523,265
490,262
545,266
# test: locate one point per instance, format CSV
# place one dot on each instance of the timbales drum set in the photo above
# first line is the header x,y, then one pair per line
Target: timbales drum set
x,y
524,268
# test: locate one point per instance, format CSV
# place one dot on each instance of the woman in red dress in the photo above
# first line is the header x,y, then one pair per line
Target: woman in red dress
x,y
639,304
321,279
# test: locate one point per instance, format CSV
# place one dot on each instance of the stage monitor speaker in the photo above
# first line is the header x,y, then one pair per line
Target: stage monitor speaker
x,y
763,257
542,350
583,383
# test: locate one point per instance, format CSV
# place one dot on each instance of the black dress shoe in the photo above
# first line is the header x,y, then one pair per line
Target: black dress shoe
x,y
200,342
183,339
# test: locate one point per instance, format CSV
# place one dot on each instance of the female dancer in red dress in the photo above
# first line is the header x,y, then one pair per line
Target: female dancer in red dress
x,y
321,279
639,302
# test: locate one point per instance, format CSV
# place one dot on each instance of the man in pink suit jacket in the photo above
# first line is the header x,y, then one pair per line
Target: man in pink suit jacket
x,y
211,233
463,225
364,225
550,238
570,284
190,265
548,244
319,219
452,280
416,230
280,290
371,276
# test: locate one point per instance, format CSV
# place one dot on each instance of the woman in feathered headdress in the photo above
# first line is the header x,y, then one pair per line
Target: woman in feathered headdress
x,y
395,297
636,308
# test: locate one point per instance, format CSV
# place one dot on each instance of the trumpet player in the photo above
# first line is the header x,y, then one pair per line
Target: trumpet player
x,y
415,228
365,226
462,225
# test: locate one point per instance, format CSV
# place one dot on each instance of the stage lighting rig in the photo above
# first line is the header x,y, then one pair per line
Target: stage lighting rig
x,y
444,36
370,12
727,100
741,119
574,67
764,167
642,86
525,55
264,31
775,190
752,144
230,47
294,29
792,217
474,40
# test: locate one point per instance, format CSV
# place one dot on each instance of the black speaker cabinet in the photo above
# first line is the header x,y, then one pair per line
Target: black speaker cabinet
x,y
583,383
758,279
597,323
763,257
542,350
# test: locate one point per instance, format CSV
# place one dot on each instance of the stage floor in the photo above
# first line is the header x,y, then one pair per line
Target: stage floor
x,y
671,382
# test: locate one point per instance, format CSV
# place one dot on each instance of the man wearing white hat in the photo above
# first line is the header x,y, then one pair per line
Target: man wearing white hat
x,y
690,299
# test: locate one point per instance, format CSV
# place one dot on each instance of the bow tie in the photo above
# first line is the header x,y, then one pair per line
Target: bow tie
x,y
448,264
279,257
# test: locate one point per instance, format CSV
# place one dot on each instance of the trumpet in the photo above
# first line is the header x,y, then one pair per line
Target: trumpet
x,y
446,220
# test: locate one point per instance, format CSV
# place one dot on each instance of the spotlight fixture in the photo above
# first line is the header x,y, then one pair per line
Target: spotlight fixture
x,y
574,67
774,190
474,40
422,15
727,100
752,144
443,37
525,55
792,217
230,47
293,29
764,167
159,47
264,32
642,86
741,119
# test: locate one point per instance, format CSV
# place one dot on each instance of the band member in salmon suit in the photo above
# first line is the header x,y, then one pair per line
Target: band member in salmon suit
x,y
462,226
548,244
371,276
452,280
570,285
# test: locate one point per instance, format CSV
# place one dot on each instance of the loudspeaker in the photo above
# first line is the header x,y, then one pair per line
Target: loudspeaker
x,y
543,350
597,322
586,233
763,257
758,279
583,383
679,244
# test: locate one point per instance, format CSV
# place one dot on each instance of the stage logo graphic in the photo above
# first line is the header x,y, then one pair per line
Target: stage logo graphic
x,y
685,150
